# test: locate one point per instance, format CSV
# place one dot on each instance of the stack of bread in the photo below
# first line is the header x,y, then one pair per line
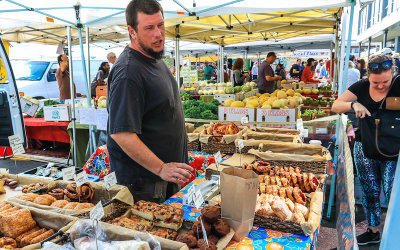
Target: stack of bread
x,y
161,220
71,197
32,187
214,226
18,228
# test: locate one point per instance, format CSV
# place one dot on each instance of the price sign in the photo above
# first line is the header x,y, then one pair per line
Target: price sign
x,y
304,133
16,144
240,145
204,231
218,157
97,212
68,173
81,178
110,180
198,199
53,171
299,124
244,120
190,194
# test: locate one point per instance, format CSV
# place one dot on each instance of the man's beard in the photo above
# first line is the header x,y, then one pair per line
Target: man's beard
x,y
150,51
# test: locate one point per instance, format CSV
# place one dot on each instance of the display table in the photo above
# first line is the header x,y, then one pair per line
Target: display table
x,y
258,238
38,128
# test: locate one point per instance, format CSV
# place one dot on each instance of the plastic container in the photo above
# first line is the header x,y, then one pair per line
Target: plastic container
x,y
315,142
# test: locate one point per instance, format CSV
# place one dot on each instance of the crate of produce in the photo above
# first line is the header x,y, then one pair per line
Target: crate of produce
x,y
236,114
276,115
101,91
223,97
61,112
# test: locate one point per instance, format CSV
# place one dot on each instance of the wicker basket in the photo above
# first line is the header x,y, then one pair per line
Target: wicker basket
x,y
246,149
315,167
193,145
213,147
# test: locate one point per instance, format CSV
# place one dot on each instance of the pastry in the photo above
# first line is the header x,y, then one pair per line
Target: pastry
x,y
44,199
313,181
83,206
83,193
175,225
16,224
165,233
275,190
263,188
261,179
2,190
70,205
135,223
7,243
221,227
300,208
289,193
267,180
299,196
198,230
29,197
210,214
188,239
203,245
167,212
21,236
284,181
144,209
273,180
13,184
27,239
281,209
213,238
42,236
282,192
31,187
9,211
306,183
298,217
57,193
59,203
290,204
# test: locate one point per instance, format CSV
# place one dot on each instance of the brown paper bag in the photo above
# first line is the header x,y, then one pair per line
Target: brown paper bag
x,y
239,189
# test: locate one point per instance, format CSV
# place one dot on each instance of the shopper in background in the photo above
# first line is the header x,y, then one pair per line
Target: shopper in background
x,y
353,75
100,78
254,71
62,76
146,125
330,66
362,68
280,71
208,71
296,69
308,74
111,57
365,98
266,76
396,62
238,77
319,67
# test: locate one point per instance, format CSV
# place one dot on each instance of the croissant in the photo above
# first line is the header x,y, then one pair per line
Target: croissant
x,y
297,170
277,170
294,178
306,183
281,209
289,193
299,196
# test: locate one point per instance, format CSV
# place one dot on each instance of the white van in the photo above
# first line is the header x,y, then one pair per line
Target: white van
x,y
37,79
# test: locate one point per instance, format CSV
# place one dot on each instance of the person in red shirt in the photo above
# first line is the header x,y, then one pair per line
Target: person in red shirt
x,y
328,66
308,74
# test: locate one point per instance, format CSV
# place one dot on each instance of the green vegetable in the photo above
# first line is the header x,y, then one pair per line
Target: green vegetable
x,y
40,113
309,112
208,115
193,112
215,102
186,96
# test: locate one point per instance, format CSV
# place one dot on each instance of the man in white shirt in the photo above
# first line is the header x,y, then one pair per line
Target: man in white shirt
x,y
254,71
319,67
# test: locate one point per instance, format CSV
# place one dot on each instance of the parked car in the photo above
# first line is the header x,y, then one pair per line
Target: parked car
x,y
37,79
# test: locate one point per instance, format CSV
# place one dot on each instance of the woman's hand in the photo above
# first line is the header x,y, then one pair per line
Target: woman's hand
x,y
360,110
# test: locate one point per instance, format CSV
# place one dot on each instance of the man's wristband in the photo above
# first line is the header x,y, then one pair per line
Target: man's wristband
x,y
161,167
352,104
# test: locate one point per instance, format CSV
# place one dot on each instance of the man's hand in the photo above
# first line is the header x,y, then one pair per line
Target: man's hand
x,y
360,110
175,172
277,78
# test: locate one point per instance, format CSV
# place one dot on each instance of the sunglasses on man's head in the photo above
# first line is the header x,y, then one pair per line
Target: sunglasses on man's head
x,y
379,66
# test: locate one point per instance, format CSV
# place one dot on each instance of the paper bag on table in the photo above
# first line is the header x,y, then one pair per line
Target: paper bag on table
x,y
239,189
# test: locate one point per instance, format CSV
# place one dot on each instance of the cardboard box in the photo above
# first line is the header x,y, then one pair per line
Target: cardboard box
x,y
309,86
249,94
289,86
277,115
223,97
28,107
101,91
77,100
236,114
60,112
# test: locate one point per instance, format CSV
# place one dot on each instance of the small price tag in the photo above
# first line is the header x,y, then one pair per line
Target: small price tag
x,y
81,178
16,144
110,180
218,157
304,133
190,194
68,173
53,171
244,120
204,231
97,212
198,199
299,124
240,145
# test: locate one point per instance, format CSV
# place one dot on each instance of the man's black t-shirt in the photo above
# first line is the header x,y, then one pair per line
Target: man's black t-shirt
x,y
361,90
143,98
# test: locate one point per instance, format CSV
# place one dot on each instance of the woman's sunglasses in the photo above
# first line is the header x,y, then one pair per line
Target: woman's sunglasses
x,y
379,66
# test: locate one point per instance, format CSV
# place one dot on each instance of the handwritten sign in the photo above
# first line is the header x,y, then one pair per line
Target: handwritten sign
x,y
68,173
304,133
16,144
244,120
110,180
97,212
299,124
81,178
240,145
218,157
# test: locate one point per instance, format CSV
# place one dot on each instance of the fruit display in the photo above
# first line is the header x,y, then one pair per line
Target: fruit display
x,y
19,229
160,220
218,130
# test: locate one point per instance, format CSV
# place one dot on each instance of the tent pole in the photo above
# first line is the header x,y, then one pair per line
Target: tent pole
x,y
177,58
71,84
92,143
221,63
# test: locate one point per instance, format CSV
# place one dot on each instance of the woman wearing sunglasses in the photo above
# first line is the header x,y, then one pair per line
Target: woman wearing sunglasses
x,y
367,98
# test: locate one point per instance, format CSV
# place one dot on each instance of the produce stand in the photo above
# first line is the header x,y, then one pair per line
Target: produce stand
x,y
38,128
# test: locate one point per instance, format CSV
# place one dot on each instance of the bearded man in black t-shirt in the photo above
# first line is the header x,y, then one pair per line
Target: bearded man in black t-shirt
x,y
146,126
